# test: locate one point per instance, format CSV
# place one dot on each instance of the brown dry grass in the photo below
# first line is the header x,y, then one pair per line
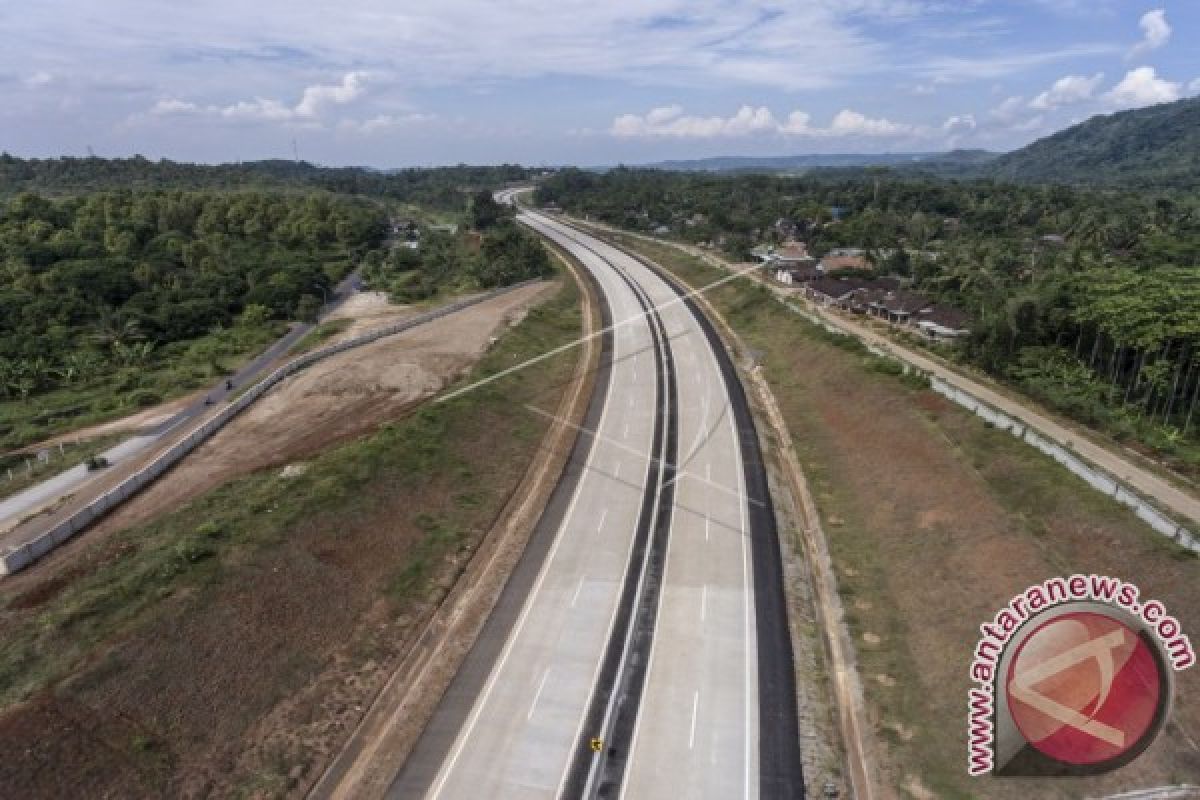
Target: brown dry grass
x,y
934,522
227,648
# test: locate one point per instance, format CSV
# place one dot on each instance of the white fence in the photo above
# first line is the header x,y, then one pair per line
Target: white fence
x,y
18,558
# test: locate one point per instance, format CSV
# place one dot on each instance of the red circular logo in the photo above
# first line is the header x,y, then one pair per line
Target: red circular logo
x,y
1084,688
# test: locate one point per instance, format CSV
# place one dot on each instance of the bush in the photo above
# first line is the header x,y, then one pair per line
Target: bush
x,y
145,398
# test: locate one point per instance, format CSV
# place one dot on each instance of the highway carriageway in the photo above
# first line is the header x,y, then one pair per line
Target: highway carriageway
x,y
641,647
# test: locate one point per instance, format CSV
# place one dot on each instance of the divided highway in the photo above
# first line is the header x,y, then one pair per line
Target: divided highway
x,y
648,611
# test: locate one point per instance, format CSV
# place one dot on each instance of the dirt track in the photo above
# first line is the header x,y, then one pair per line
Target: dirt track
x,y
338,398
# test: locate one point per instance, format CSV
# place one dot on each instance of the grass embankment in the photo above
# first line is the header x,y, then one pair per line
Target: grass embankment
x,y
223,648
27,470
934,521
320,334
170,372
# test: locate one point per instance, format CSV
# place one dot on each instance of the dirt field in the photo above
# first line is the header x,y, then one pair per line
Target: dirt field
x,y
934,522
202,654
337,398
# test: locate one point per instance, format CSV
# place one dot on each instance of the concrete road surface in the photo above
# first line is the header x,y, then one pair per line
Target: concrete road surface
x,y
516,721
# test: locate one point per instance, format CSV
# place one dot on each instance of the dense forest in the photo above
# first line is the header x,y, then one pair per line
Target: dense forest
x,y
439,188
1088,299
1153,148
494,252
123,296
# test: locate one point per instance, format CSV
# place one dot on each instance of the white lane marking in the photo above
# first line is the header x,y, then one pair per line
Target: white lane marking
x,y
680,474
558,236
603,516
695,708
703,602
625,435
447,767
578,589
617,472
707,523
538,694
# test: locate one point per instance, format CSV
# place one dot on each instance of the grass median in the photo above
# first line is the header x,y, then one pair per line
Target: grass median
x,y
223,648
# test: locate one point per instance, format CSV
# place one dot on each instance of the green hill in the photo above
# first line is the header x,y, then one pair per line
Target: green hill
x,y
1153,147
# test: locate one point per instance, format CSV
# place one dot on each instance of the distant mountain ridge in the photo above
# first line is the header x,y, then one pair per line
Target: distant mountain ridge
x,y
791,163
1153,147
1158,146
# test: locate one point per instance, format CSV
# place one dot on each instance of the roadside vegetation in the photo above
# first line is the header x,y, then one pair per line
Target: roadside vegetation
x,y
1088,300
184,643
934,520
492,252
115,301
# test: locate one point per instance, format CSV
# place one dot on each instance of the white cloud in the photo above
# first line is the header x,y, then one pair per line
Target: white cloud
x,y
39,79
960,69
313,101
1155,32
169,107
671,121
960,123
1009,111
383,122
316,97
1142,87
1194,86
852,123
1067,91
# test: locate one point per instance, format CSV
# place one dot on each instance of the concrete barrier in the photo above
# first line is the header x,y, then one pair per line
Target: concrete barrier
x,y
18,558
1094,476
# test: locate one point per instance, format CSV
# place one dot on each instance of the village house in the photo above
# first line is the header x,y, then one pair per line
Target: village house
x,y
841,260
795,276
899,306
838,292
944,323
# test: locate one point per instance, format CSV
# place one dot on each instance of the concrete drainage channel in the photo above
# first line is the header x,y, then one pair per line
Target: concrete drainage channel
x,y
1093,475
17,558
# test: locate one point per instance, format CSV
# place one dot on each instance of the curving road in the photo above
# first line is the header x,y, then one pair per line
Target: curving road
x,y
648,611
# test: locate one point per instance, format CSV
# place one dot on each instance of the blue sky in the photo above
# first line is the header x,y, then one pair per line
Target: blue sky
x,y
415,82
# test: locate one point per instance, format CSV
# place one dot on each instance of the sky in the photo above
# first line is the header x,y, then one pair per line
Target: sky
x,y
393,83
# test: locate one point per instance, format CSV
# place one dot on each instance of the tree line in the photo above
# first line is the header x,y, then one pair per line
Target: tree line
x,y
442,188
494,251
96,283
1089,299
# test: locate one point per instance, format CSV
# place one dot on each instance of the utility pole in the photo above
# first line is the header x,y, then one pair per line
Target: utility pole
x,y
295,151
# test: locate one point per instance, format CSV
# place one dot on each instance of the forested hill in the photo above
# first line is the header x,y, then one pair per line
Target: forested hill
x,y
1156,147
438,187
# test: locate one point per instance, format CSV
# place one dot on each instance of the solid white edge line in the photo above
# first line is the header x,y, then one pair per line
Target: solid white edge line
x,y
482,700
695,708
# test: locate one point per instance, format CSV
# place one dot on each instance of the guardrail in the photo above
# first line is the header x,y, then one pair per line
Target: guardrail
x,y
17,558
